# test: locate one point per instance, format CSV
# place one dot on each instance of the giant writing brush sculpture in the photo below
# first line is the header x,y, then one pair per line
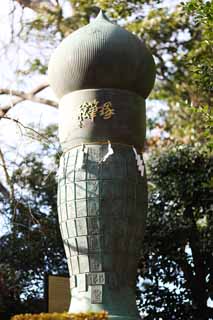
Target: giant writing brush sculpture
x,y
102,75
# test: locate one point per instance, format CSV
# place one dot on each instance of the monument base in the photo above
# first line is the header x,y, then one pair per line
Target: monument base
x,y
120,304
123,318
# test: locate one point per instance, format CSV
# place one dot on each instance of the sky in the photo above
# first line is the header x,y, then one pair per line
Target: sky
x,y
14,57
13,140
15,54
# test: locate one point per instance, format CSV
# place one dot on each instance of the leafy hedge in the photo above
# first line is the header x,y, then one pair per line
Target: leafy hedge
x,y
62,316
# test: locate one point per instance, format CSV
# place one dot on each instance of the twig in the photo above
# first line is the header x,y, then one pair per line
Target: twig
x,y
8,179
22,96
26,127
4,191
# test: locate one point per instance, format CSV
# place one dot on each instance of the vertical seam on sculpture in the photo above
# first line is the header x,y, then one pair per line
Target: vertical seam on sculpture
x,y
86,199
65,188
86,177
59,199
65,166
76,157
100,186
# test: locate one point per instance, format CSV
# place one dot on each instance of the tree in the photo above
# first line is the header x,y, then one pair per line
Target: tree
x,y
179,228
180,40
33,245
179,236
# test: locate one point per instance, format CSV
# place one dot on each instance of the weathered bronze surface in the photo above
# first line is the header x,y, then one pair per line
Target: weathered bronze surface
x,y
123,121
102,75
102,209
102,55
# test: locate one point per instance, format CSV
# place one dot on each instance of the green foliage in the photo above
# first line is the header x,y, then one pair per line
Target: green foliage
x,y
179,236
180,40
200,61
33,245
178,266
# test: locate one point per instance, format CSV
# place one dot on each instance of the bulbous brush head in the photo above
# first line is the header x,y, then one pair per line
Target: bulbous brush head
x,y
101,55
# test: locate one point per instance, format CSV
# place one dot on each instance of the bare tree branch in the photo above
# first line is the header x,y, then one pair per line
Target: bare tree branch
x,y
7,176
4,191
22,96
38,5
42,136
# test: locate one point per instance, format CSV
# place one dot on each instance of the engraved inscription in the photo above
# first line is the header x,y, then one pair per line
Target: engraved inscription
x,y
95,262
96,278
96,294
94,243
90,110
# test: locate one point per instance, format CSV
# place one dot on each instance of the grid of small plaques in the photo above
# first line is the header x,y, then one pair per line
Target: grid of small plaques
x,y
101,208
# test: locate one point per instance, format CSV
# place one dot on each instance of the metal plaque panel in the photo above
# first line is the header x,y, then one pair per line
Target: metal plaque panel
x,y
70,195
92,188
81,226
71,211
84,263
96,278
72,246
80,190
93,206
82,282
94,243
64,230
82,243
71,227
75,264
73,282
95,262
93,225
96,294
81,208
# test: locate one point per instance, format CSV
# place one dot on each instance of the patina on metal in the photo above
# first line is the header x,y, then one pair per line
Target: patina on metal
x,y
102,75
120,118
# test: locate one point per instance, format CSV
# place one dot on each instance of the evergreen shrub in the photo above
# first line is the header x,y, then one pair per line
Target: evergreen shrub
x,y
62,316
